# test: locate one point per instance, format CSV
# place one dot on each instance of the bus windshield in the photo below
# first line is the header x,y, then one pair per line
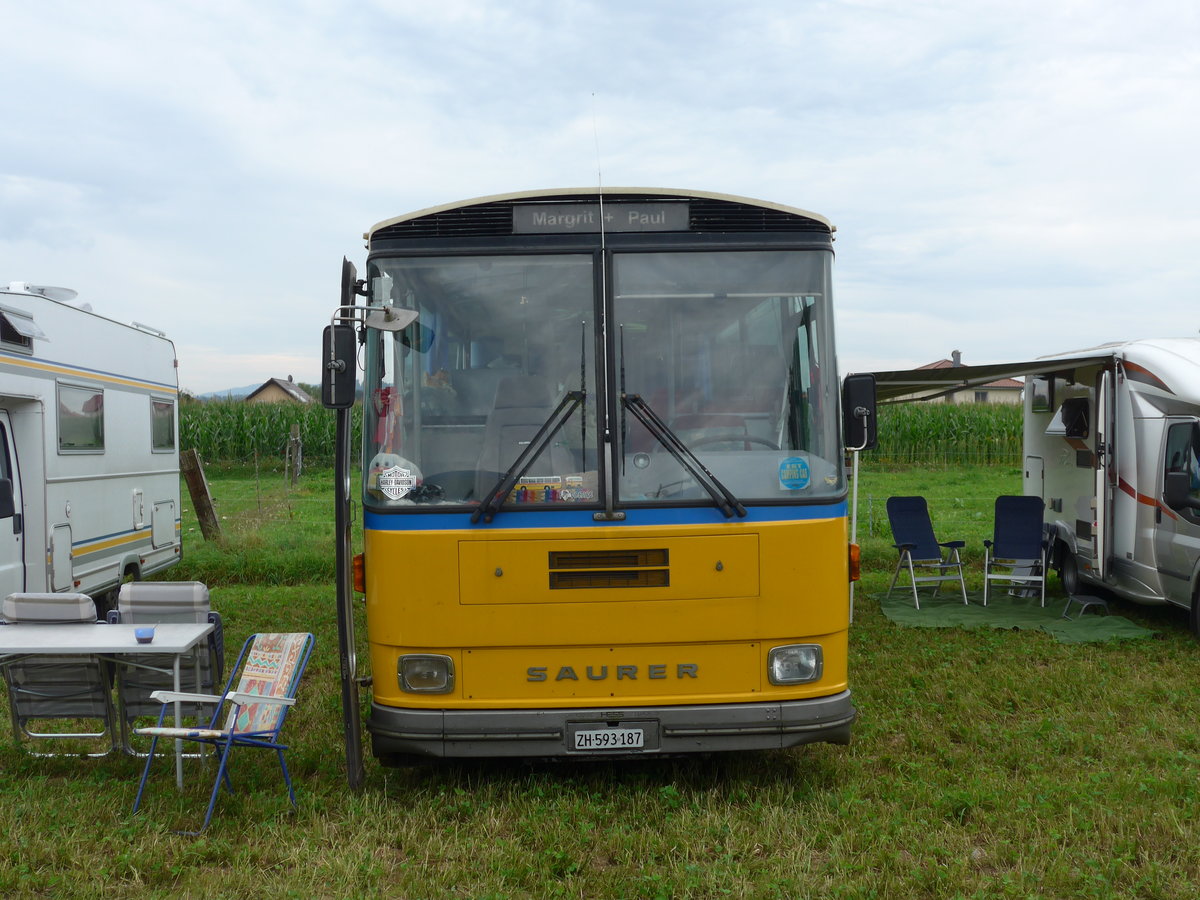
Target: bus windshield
x,y
452,400
730,351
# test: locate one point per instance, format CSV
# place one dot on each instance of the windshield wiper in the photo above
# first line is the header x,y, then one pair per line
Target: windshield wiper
x,y
492,501
721,495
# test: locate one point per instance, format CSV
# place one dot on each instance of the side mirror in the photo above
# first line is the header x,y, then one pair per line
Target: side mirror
x,y
858,412
339,369
8,506
1177,491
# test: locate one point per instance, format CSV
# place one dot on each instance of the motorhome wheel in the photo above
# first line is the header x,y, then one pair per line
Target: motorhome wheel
x,y
1068,571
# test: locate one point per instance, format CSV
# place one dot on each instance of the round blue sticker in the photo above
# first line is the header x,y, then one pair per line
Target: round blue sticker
x,y
794,474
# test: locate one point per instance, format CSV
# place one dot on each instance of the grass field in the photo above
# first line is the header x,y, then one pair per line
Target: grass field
x,y
984,764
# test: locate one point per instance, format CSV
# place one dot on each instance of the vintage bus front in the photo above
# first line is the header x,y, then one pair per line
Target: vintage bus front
x,y
604,491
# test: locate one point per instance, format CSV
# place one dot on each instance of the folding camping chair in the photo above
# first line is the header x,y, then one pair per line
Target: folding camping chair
x,y
267,675
156,603
920,551
67,688
1016,554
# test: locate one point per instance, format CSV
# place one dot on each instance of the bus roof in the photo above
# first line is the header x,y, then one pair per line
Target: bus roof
x,y
614,193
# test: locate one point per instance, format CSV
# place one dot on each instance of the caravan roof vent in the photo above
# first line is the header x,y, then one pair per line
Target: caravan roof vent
x,y
61,294
17,329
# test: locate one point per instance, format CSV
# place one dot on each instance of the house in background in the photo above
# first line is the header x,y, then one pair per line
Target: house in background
x,y
276,390
1005,390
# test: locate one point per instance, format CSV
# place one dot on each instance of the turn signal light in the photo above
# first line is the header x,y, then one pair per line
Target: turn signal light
x,y
855,562
360,573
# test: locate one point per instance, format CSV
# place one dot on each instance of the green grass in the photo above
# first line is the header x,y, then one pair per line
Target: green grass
x,y
984,764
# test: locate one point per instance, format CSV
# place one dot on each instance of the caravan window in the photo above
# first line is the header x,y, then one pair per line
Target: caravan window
x,y
1074,414
1043,393
80,419
162,425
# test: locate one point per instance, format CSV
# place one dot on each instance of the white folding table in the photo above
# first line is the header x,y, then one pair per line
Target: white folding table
x,y
115,642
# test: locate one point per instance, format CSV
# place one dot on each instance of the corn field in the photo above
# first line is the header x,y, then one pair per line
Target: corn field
x,y
237,433
948,434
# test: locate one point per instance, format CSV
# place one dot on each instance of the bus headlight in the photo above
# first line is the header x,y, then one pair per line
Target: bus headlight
x,y
426,673
794,663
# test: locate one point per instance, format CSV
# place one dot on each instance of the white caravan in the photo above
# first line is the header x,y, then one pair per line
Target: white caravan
x,y
1112,445
89,454
1107,431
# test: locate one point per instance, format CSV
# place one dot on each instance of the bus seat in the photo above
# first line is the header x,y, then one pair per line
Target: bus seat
x,y
522,405
476,389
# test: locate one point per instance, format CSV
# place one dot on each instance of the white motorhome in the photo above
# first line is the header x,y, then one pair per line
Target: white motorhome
x,y
89,455
1105,431
1112,445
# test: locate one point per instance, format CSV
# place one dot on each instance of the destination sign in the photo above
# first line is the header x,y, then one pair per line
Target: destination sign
x,y
588,218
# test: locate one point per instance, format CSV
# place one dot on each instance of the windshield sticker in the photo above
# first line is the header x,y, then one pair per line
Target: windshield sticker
x,y
794,474
396,482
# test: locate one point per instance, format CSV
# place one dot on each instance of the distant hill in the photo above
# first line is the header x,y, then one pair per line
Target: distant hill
x,y
235,393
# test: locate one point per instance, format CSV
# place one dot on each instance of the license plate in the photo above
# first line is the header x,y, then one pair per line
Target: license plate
x,y
610,739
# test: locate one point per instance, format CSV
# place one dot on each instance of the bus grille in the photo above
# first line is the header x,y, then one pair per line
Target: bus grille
x,y
575,569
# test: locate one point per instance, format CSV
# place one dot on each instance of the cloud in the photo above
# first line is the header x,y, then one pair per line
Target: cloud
x,y
1002,173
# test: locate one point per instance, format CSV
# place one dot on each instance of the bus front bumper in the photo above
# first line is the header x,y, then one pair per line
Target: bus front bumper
x,y
398,735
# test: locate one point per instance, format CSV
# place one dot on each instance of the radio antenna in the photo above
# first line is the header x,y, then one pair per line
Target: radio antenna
x,y
599,174
607,430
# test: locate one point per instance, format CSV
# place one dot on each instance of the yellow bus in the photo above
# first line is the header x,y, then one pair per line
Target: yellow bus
x,y
603,485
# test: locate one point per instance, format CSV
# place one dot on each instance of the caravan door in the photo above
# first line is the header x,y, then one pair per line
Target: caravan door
x,y
1106,476
12,519
1177,532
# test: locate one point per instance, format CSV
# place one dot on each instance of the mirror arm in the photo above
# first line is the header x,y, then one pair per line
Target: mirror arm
x,y
865,414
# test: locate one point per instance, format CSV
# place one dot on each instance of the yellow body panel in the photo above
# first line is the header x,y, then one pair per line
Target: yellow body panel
x,y
700,568
735,591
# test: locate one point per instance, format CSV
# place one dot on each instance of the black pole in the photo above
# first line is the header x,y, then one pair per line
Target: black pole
x,y
345,604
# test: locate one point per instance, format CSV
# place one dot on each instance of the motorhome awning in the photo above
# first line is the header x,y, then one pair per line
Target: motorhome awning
x,y
902,385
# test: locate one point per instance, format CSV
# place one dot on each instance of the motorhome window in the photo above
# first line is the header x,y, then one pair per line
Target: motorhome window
x,y
1183,455
1075,418
1043,393
80,419
162,425
5,462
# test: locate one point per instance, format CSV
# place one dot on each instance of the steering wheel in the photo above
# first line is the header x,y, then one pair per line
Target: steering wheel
x,y
427,492
735,439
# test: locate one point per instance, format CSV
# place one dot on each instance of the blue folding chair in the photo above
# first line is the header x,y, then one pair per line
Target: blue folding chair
x,y
267,674
927,560
1016,554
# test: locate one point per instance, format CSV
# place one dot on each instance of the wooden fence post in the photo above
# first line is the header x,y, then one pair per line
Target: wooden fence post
x,y
293,461
193,473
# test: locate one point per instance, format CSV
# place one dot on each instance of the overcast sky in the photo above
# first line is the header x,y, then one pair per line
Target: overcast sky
x,y
1009,178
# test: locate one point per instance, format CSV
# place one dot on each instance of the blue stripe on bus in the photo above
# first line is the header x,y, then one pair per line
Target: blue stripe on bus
x,y
580,518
